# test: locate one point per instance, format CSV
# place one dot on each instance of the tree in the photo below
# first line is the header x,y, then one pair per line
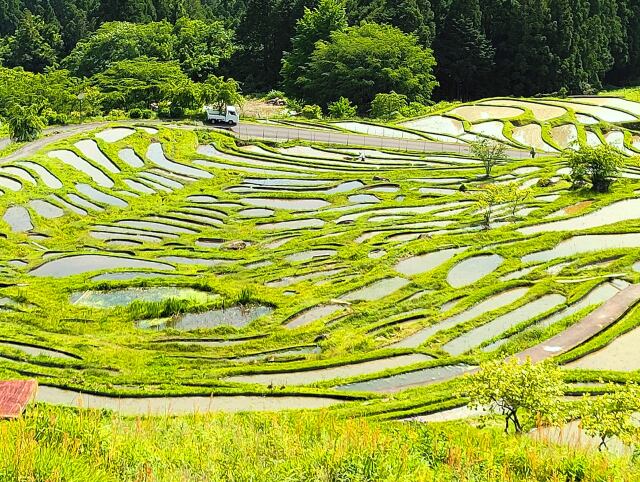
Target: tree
x,y
138,83
598,165
342,109
465,55
487,199
24,123
264,34
515,196
510,387
117,41
219,92
315,25
489,153
388,106
611,414
200,46
363,61
410,16
35,44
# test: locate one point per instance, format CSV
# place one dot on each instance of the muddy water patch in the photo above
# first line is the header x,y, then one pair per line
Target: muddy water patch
x,y
292,225
427,262
89,148
84,263
126,296
46,209
585,244
437,124
130,157
36,351
407,380
295,205
493,303
620,355
472,269
309,255
614,213
156,154
314,314
237,316
375,291
475,113
100,197
181,405
18,218
323,374
503,323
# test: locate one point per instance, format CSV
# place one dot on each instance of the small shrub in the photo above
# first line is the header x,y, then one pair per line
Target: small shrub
x,y
176,111
274,94
463,188
598,165
342,109
544,182
51,117
146,113
116,114
135,113
164,112
311,112
388,106
415,109
295,105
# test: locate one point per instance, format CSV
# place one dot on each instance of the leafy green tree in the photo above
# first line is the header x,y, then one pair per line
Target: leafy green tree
x,y
311,112
487,198
510,387
410,16
489,153
200,46
363,61
219,92
388,106
598,165
314,26
611,415
515,196
24,123
342,109
138,83
35,45
117,41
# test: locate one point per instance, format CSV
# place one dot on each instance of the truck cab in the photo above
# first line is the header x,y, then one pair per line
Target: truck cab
x,y
229,115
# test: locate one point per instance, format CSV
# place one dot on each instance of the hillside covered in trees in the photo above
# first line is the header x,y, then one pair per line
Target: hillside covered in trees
x,y
493,47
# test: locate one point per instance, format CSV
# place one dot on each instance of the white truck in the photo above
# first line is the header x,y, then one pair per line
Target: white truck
x,y
229,115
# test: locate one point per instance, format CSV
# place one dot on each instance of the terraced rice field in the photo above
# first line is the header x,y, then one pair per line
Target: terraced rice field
x,y
548,125
171,270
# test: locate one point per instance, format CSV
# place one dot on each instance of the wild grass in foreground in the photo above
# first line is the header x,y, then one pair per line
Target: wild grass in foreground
x,y
52,444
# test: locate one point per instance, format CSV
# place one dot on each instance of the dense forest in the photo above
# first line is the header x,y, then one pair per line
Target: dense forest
x,y
320,50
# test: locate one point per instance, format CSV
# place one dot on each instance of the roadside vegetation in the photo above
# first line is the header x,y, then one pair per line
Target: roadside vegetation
x,y
59,444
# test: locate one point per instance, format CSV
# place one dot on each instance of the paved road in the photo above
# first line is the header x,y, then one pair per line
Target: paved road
x,y
262,131
284,133
591,325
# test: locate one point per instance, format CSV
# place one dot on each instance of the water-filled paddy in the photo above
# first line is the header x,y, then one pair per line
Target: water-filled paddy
x,y
345,371
84,263
237,316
